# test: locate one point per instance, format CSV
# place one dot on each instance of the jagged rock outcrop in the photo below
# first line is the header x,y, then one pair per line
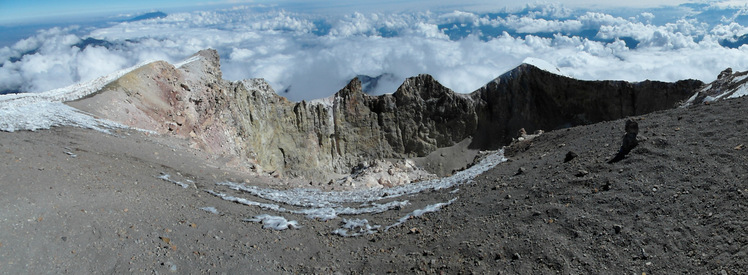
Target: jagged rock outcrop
x,y
248,121
729,84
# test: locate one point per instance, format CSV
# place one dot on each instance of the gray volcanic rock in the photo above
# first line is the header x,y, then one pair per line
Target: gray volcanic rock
x,y
249,122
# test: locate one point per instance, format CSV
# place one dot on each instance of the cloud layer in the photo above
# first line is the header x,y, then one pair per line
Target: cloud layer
x,y
311,56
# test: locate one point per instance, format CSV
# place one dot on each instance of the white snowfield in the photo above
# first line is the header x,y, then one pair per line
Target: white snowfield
x,y
34,111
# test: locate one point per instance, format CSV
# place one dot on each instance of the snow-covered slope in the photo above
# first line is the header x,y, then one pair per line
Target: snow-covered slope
x,y
33,111
728,85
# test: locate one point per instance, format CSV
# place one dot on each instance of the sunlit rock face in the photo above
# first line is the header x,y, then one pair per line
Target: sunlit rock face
x,y
249,122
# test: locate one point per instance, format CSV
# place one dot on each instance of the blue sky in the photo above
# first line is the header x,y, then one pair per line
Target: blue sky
x,y
310,49
25,11
20,11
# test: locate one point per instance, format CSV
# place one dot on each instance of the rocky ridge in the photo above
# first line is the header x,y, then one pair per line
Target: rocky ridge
x,y
247,123
729,84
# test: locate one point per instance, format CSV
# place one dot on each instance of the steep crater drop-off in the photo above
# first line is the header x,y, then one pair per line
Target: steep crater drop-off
x,y
247,122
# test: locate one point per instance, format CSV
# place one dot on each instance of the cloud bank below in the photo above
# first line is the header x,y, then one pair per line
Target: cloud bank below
x,y
307,56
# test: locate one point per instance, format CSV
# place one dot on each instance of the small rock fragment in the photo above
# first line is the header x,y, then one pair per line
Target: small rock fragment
x,y
606,186
617,228
739,147
165,239
520,171
582,173
516,256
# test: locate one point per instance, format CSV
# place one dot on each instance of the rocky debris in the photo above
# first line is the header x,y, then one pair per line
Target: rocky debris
x,y
382,174
629,141
523,136
249,121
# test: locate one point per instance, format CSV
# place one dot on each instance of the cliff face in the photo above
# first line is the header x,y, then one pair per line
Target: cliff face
x,y
534,99
248,121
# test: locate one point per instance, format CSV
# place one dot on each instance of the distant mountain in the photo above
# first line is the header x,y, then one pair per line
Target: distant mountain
x,y
735,42
150,15
371,85
90,41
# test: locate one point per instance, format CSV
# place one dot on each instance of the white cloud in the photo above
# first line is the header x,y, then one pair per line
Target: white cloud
x,y
296,52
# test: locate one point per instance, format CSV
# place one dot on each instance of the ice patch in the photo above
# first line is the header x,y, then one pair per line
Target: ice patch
x,y
187,61
70,153
210,209
21,115
314,198
324,213
274,222
328,205
167,177
420,212
247,202
739,92
356,227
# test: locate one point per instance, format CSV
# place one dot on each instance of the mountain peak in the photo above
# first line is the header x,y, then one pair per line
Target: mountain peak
x,y
146,16
545,65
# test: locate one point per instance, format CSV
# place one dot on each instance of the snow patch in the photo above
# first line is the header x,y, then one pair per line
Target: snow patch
x,y
246,201
167,177
740,91
28,114
315,198
274,222
187,61
210,209
420,212
319,213
356,227
328,205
